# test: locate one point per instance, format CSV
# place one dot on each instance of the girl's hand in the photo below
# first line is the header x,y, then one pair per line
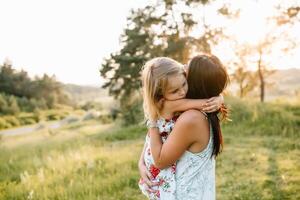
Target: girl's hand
x,y
146,176
213,104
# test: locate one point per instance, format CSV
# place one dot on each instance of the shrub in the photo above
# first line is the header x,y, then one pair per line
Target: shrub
x,y
3,123
28,118
105,119
13,121
132,110
55,115
26,121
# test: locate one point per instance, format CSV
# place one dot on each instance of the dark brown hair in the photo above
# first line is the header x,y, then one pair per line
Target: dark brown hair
x,y
207,78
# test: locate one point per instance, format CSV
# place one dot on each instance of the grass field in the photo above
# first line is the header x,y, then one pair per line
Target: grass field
x,y
87,160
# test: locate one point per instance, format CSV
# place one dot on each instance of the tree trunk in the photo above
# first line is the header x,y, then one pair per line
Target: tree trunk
x,y
261,78
241,91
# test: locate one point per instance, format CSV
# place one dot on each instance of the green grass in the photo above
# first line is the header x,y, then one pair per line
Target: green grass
x,y
89,160
72,164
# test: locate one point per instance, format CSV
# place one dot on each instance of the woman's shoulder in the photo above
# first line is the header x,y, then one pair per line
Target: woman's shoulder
x,y
191,117
197,126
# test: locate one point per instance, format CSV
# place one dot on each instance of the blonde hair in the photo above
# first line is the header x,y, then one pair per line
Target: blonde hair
x,y
155,74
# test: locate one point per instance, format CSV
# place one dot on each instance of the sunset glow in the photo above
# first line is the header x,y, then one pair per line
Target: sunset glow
x,y
73,46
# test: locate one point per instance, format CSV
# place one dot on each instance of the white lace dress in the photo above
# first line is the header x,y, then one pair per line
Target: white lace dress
x,y
195,175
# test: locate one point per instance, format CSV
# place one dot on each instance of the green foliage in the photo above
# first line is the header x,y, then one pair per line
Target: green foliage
x,y
127,63
114,112
3,124
18,93
11,121
142,40
13,82
156,30
131,110
27,121
50,90
12,105
54,115
106,119
21,98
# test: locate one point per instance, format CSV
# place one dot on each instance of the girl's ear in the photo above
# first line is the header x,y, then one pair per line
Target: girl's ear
x,y
160,103
161,100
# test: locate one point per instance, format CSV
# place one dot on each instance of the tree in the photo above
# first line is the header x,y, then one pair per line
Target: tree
x,y
42,90
288,15
156,30
264,47
13,82
7,78
3,103
277,37
13,106
49,89
242,75
122,68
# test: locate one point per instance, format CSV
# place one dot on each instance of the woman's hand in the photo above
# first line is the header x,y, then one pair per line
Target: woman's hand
x,y
146,176
213,104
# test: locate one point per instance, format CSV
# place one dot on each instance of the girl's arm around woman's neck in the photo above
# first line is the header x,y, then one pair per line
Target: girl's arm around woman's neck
x,y
185,133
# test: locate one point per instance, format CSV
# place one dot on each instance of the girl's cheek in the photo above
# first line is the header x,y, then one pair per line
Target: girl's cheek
x,y
186,89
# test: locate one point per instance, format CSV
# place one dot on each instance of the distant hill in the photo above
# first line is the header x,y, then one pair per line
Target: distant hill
x,y
286,83
281,84
82,94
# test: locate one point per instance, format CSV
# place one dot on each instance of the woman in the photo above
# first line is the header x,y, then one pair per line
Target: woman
x,y
196,138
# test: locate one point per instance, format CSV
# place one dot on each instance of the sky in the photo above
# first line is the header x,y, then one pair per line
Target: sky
x,y
70,38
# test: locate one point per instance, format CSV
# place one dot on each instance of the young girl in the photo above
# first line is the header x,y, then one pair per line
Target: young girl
x,y
164,80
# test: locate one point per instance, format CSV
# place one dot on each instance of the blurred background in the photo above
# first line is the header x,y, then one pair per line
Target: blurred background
x,y
71,106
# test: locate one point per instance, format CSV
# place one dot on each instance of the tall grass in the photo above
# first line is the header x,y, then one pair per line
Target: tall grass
x,y
264,119
260,159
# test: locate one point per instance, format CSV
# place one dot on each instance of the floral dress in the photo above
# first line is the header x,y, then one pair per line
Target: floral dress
x,y
166,177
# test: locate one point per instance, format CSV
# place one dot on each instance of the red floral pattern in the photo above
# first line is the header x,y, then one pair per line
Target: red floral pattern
x,y
173,168
154,171
165,178
164,134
